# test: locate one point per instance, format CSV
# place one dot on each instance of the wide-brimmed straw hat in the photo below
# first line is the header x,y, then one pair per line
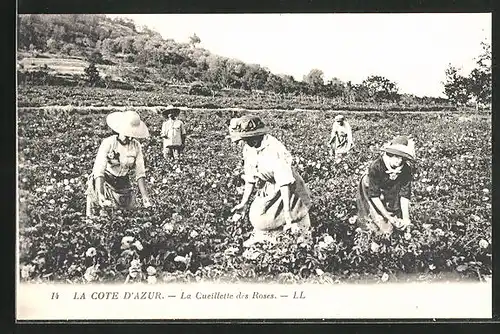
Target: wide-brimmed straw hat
x,y
401,146
170,109
246,127
127,123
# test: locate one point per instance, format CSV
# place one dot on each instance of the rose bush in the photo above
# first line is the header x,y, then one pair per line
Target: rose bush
x,y
190,235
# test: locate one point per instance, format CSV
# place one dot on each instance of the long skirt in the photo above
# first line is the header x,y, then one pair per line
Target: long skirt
x,y
368,215
266,211
117,190
340,148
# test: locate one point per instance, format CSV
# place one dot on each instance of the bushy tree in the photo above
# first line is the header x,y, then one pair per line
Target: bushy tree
x,y
456,86
315,80
480,77
380,88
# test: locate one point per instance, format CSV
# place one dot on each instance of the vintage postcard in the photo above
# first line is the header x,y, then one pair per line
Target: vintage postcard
x,y
254,166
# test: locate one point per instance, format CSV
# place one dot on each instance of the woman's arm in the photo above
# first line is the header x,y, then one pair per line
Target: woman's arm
x,y
183,133
333,135
349,136
144,191
405,210
163,133
381,208
99,168
140,175
247,192
99,185
246,196
285,196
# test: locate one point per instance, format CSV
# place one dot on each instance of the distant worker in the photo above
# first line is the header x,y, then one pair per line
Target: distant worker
x,y
341,138
118,156
173,133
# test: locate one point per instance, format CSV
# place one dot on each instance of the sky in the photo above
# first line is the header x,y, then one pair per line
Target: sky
x,y
412,50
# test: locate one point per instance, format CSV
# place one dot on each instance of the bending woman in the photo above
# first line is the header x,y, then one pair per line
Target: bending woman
x,y
118,156
282,200
383,197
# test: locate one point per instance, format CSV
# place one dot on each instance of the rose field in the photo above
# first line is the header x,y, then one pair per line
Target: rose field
x,y
190,233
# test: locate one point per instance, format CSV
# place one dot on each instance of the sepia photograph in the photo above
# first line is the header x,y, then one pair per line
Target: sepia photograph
x,y
254,166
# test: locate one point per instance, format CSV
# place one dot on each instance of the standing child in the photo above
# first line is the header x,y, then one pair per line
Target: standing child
x,y
173,133
340,138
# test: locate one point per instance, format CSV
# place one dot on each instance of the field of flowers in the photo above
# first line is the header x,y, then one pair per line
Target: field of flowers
x,y
48,95
190,235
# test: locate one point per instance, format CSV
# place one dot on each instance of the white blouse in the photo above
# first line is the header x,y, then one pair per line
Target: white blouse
x,y
271,162
118,159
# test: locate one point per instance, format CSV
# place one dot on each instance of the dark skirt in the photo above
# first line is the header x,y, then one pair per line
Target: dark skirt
x,y
117,190
368,215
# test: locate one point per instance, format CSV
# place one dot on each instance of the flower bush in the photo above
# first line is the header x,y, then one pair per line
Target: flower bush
x,y
190,233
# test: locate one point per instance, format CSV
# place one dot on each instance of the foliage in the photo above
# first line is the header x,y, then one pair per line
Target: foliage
x,y
194,40
461,89
119,41
92,74
456,86
380,88
190,235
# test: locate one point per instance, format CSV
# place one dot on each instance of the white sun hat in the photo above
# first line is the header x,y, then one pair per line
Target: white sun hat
x,y
401,146
127,123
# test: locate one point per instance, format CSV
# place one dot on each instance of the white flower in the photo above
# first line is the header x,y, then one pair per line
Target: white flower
x,y
407,235
135,268
126,242
353,219
236,217
151,271
168,227
231,251
483,243
322,244
439,232
385,277
319,272
179,258
164,180
138,245
193,234
328,239
374,247
91,252
26,270
152,280
432,266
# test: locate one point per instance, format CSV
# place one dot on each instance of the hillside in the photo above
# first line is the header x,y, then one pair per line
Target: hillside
x,y
56,49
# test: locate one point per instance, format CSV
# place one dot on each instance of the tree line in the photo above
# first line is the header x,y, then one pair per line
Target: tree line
x,y
102,40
